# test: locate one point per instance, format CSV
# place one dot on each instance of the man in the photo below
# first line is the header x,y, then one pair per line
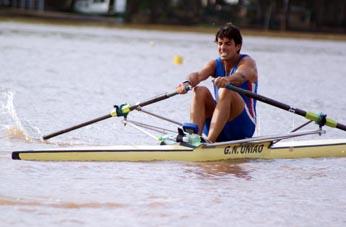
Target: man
x,y
228,116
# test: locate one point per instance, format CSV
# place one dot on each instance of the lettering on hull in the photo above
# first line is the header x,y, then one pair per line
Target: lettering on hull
x,y
244,149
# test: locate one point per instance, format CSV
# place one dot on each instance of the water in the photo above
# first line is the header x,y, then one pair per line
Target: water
x,y
53,77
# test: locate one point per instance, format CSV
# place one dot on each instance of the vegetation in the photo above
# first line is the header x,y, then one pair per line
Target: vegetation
x,y
292,15
281,15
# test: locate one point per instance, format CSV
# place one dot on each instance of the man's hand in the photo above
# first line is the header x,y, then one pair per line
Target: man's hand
x,y
183,88
220,82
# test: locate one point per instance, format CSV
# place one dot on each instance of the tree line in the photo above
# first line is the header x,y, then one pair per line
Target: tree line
x,y
285,15
292,15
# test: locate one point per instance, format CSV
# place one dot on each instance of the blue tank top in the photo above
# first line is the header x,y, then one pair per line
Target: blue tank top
x,y
250,103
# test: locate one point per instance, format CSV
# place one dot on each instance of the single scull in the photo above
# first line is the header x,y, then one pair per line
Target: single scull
x,y
254,148
189,147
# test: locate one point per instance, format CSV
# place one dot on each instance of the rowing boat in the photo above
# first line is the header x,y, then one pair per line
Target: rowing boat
x,y
256,148
261,150
186,148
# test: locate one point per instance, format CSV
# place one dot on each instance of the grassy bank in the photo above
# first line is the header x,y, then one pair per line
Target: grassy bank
x,y
80,20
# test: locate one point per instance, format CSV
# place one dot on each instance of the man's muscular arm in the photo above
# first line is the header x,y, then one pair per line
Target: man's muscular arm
x,y
247,71
196,77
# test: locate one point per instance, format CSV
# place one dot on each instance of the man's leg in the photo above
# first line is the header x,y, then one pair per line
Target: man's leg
x,y
228,107
202,106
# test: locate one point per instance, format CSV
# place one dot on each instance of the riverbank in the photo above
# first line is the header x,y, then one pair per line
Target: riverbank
x,y
61,18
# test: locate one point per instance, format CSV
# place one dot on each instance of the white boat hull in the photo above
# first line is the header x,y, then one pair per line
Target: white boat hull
x,y
253,150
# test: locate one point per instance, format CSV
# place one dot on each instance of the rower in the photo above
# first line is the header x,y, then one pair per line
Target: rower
x,y
228,115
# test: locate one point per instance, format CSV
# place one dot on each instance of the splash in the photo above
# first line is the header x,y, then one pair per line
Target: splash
x,y
15,132
11,126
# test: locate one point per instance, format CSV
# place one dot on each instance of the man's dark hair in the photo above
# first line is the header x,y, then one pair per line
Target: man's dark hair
x,y
229,31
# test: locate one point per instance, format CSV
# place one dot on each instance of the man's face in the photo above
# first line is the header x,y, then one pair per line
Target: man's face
x,y
227,48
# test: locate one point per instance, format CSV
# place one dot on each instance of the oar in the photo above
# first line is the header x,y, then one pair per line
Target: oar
x,y
318,118
123,110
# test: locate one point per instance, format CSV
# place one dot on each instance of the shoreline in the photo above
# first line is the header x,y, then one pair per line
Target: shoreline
x,y
70,19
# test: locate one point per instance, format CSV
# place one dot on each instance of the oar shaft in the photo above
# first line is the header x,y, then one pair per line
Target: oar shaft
x,y
153,100
308,115
144,103
340,126
76,126
267,100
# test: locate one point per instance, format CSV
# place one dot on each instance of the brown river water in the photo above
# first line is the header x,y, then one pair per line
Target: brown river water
x,y
53,77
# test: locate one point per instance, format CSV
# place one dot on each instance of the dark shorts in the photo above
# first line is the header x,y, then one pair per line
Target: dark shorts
x,y
240,127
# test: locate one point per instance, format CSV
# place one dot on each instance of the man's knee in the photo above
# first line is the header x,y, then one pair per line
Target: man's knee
x,y
225,94
201,92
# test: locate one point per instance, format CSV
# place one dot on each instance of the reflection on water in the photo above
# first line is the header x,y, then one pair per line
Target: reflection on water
x,y
224,168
